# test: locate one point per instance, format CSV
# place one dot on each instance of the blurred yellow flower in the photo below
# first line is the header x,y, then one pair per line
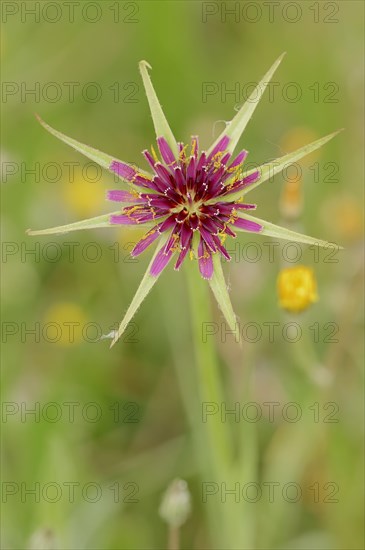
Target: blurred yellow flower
x,y
297,288
291,200
64,323
83,194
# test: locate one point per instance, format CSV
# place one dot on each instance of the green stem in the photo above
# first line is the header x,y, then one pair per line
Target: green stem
x,y
209,378
229,527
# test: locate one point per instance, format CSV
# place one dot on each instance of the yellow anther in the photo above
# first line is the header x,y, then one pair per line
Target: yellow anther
x,y
182,154
223,237
154,155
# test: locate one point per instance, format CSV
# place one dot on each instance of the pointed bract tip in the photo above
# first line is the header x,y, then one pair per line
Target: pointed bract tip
x,y
280,58
334,134
144,64
40,120
32,232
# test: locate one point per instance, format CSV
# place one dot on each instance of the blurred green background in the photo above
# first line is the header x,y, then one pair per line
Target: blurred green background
x,y
112,423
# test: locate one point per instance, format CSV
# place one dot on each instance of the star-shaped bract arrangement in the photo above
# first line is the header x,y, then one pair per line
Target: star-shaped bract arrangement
x,y
189,201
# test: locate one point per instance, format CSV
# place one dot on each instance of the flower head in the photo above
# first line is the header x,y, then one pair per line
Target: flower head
x,y
176,503
189,201
184,197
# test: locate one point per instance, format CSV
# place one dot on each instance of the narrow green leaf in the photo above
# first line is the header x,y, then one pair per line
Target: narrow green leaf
x,y
160,123
269,169
95,155
144,288
219,289
90,223
273,230
239,122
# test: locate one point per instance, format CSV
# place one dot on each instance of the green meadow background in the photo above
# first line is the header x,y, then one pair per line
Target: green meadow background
x,y
110,429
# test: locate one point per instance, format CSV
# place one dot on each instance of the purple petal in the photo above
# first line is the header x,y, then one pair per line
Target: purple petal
x,y
191,170
143,180
202,162
123,170
166,153
194,222
159,201
220,147
252,177
152,216
181,216
118,195
180,180
248,225
208,238
225,158
239,159
145,242
186,236
167,224
220,208
217,175
181,258
205,261
163,174
211,225
229,231
242,184
142,214
151,161
221,248
173,240
160,262
123,220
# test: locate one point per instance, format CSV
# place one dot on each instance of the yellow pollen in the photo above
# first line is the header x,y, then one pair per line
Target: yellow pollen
x,y
182,154
233,217
223,237
216,160
175,246
206,255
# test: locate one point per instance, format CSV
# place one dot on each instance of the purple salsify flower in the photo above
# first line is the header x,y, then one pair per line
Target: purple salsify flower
x,y
192,200
182,197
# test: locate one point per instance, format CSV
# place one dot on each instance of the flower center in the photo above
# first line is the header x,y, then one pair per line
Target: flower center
x,y
192,207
